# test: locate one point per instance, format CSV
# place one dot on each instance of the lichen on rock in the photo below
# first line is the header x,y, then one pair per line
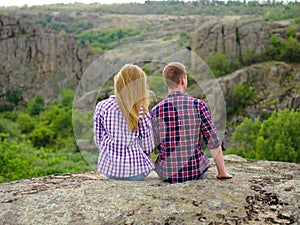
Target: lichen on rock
x,y
261,192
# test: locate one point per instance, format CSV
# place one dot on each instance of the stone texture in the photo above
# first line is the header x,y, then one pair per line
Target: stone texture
x,y
275,82
38,61
236,38
261,192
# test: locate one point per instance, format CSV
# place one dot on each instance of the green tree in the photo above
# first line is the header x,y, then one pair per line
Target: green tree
x,y
245,135
67,97
241,96
41,136
276,138
17,159
290,50
291,32
36,105
15,97
273,50
219,63
279,137
25,123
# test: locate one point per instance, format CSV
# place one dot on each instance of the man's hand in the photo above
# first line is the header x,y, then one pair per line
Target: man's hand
x,y
217,155
224,177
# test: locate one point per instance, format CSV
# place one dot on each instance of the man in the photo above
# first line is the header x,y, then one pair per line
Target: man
x,y
178,122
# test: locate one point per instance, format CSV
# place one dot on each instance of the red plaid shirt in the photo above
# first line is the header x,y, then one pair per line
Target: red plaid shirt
x,y
178,122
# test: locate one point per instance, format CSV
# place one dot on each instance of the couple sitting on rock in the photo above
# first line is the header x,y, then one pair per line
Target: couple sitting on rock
x,y
125,132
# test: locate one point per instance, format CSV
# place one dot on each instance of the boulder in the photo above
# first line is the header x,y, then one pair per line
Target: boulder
x,y
261,192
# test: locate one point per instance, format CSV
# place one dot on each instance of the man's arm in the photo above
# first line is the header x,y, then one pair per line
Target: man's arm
x,y
218,157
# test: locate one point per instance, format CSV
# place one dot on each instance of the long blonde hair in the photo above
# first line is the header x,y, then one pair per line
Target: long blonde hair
x,y
130,91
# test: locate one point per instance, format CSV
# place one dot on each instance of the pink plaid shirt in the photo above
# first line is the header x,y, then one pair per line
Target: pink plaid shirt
x,y
122,153
178,122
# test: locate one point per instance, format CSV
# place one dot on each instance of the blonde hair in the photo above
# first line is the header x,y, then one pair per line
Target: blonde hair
x,y
172,74
130,91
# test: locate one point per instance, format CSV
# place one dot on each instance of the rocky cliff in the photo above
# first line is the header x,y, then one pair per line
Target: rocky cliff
x,y
38,61
236,38
276,84
261,192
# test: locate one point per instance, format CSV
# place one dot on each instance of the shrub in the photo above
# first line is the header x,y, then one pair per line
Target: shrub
x,y
291,32
36,105
41,136
17,159
67,97
219,63
8,127
25,123
290,50
15,97
273,50
276,138
241,96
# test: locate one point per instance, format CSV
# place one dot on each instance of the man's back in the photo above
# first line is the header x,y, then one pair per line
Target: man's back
x,y
178,122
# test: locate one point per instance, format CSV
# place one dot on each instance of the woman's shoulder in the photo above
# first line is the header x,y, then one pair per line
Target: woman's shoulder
x,y
106,103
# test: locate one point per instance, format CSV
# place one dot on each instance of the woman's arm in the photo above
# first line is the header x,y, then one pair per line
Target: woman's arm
x,y
98,126
146,135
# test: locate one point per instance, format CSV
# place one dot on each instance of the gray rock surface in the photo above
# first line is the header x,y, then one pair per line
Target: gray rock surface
x,y
261,192
236,38
272,81
38,61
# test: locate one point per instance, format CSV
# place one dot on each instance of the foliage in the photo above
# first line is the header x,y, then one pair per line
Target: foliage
x,y
19,160
72,12
82,122
13,100
66,98
296,20
41,136
101,39
68,25
220,64
279,49
273,50
25,123
291,32
246,134
290,51
249,57
15,97
8,127
16,159
283,50
276,138
241,96
47,144
36,105
281,12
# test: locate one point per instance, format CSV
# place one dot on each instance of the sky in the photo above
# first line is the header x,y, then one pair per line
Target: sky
x,y
44,2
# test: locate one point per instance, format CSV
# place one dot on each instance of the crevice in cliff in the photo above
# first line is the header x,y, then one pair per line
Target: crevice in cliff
x,y
238,42
29,55
223,37
80,66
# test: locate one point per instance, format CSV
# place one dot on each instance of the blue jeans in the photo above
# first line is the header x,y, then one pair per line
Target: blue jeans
x,y
141,176
202,176
199,177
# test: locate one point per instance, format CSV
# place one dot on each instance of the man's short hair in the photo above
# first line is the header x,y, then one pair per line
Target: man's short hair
x,y
172,74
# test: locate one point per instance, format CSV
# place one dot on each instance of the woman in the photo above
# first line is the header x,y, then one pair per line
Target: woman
x,y
122,128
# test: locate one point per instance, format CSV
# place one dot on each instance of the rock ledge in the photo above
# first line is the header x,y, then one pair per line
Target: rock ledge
x,y
262,192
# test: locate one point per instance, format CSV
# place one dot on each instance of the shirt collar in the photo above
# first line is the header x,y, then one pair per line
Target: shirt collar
x,y
175,94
